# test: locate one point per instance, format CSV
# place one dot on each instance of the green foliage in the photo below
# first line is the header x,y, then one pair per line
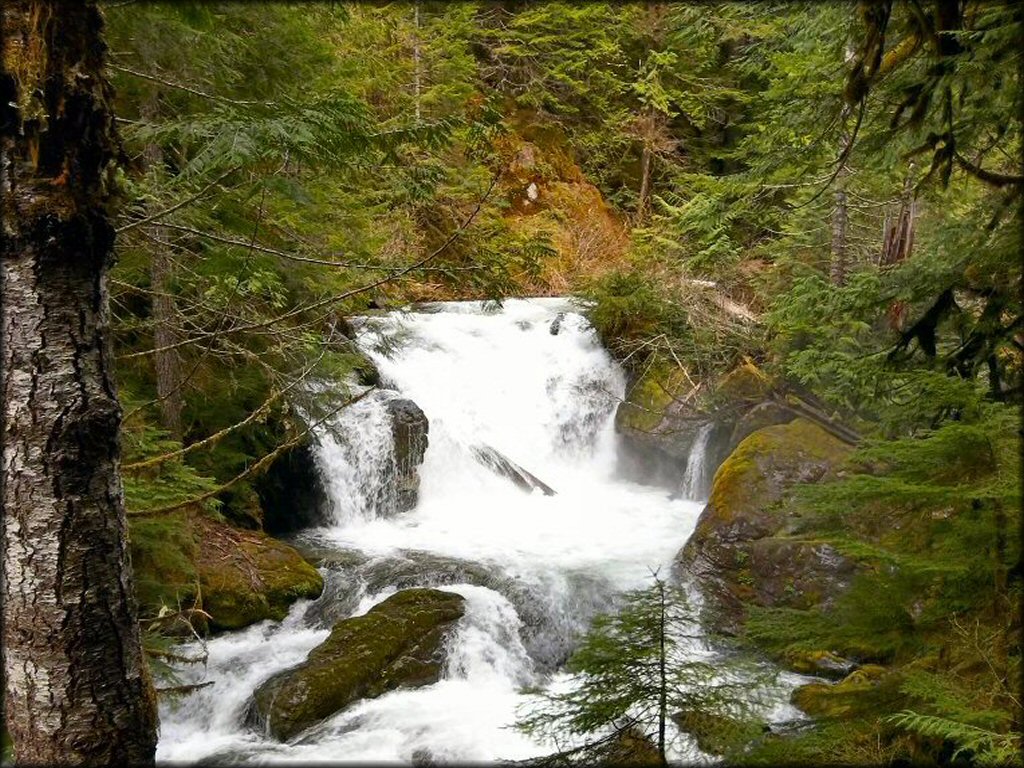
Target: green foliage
x,y
631,673
985,747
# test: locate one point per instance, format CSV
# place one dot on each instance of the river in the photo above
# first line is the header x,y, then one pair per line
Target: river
x,y
532,381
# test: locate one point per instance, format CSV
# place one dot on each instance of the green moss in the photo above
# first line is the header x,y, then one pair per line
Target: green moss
x,y
395,644
247,576
860,693
716,734
765,463
744,383
648,399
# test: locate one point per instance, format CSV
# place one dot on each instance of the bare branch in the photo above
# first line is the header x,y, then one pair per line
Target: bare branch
x,y
187,89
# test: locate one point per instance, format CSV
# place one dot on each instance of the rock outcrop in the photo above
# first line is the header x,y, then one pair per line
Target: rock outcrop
x,y
409,427
665,411
854,694
189,566
397,643
743,548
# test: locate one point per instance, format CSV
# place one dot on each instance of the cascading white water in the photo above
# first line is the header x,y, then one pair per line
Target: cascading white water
x,y
533,568
695,480
356,458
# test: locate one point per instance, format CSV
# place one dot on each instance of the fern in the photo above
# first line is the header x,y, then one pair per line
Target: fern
x,y
985,747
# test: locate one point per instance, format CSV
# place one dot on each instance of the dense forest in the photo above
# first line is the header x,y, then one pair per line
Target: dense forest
x,y
797,221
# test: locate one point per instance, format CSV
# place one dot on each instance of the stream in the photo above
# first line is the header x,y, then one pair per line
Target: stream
x,y
532,381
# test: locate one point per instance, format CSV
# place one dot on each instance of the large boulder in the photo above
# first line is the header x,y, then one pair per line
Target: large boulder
x,y
247,576
399,643
743,548
409,427
549,628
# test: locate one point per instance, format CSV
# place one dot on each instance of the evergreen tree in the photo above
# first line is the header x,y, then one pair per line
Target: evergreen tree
x,y
633,673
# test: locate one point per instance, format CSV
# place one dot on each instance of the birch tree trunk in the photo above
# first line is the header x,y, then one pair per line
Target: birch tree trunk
x,y
76,686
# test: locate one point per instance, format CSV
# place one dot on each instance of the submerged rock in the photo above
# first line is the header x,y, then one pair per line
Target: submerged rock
x,y
247,576
741,550
409,427
399,643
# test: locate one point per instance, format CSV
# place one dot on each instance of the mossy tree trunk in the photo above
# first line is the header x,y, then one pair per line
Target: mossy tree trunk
x,y
76,686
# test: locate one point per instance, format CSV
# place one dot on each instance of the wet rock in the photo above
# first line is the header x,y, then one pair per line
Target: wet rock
x,y
500,464
742,549
547,632
246,576
398,643
556,324
549,629
658,428
410,428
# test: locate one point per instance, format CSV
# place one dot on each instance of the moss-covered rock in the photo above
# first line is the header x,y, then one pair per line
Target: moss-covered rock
x,y
660,419
820,663
630,748
647,408
854,694
742,549
657,429
247,576
397,643
716,734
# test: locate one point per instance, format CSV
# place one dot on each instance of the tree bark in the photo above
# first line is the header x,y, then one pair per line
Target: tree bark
x,y
644,203
839,223
76,686
662,675
166,360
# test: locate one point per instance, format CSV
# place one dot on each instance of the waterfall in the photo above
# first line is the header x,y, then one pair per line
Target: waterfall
x,y
695,483
355,456
532,383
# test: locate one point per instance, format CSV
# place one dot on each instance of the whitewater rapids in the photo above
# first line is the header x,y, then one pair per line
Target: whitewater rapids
x,y
532,381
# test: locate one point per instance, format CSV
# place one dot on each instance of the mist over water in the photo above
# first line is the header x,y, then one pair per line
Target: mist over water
x,y
530,381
